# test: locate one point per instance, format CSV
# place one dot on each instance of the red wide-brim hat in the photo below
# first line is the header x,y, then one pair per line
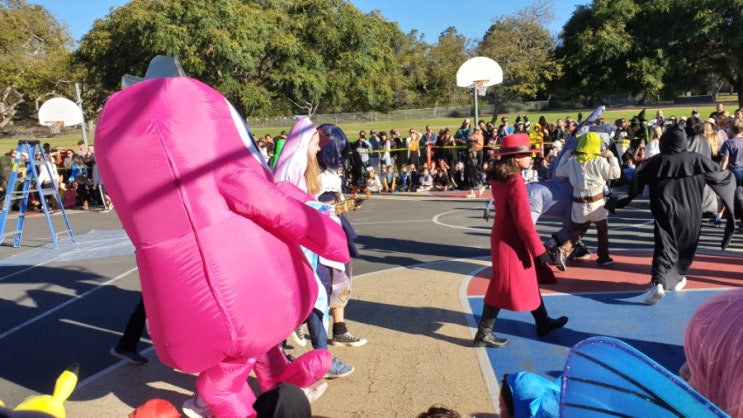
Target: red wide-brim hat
x,y
515,144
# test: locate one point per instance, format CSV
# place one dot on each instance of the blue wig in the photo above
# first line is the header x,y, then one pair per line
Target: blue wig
x,y
333,146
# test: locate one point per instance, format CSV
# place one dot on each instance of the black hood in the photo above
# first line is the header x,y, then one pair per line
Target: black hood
x,y
673,141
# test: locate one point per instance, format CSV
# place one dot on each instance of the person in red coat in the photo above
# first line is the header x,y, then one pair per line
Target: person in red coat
x,y
517,250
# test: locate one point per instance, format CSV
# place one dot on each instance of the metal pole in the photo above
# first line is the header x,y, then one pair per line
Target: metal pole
x,y
80,105
474,90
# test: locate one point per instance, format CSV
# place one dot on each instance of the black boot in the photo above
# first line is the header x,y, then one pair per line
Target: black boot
x,y
485,336
545,324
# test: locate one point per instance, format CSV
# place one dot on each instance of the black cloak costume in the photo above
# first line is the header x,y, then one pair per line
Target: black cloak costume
x,y
676,179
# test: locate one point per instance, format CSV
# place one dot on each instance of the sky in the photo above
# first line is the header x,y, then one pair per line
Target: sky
x,y
472,18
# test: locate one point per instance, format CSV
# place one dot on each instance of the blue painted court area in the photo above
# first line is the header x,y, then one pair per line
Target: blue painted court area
x,y
657,331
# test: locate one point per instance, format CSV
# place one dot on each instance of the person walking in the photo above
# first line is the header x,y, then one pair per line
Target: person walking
x,y
588,170
517,251
126,348
676,180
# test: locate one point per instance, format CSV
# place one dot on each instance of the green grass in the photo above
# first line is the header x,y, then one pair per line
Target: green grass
x,y
453,124
69,138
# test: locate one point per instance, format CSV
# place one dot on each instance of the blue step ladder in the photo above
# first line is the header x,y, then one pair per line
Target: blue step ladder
x,y
31,184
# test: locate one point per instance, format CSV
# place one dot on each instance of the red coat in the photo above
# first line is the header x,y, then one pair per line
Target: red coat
x,y
514,243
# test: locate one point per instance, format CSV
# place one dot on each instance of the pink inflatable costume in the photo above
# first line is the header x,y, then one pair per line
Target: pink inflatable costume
x,y
217,242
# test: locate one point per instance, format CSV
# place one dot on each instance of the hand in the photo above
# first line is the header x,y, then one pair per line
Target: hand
x,y
623,202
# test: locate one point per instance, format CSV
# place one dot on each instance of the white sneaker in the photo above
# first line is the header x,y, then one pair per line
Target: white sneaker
x,y
313,393
193,408
655,294
298,336
680,285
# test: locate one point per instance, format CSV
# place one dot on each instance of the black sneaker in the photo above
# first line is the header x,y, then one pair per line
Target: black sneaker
x,y
605,261
581,252
348,340
129,356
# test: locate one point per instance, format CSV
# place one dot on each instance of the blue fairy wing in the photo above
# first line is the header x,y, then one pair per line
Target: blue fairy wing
x,y
604,376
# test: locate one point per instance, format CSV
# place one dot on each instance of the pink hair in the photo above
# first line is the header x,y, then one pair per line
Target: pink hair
x,y
713,345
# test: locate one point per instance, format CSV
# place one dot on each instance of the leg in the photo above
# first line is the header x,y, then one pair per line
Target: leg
x,y
602,234
134,328
341,336
318,334
273,368
224,388
319,339
126,349
564,240
485,336
544,323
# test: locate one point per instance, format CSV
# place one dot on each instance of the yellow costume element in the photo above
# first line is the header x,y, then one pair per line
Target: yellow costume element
x,y
53,404
536,137
589,147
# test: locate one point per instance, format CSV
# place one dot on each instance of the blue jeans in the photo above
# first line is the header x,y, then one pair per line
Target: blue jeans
x,y
318,334
738,172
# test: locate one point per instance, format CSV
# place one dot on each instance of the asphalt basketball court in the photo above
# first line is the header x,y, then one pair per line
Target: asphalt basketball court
x,y
603,301
418,295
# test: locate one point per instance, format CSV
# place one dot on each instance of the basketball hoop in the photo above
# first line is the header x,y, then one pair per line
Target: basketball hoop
x,y
479,72
55,126
481,86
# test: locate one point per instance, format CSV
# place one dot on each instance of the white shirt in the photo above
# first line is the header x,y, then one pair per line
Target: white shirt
x,y
330,181
44,173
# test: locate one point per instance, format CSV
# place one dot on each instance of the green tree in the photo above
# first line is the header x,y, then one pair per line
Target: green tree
x,y
409,49
33,60
598,50
215,43
523,47
439,65
351,55
707,47
652,48
267,57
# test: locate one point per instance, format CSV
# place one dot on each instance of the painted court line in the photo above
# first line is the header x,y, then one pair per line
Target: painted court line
x,y
62,305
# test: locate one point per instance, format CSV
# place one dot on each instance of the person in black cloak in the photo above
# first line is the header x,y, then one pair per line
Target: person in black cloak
x,y
676,179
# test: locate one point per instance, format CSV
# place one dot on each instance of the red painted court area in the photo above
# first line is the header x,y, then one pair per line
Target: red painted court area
x,y
630,272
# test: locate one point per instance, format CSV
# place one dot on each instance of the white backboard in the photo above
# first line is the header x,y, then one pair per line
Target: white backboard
x,y
59,109
477,69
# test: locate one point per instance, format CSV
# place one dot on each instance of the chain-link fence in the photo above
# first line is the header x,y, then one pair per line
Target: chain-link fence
x,y
485,110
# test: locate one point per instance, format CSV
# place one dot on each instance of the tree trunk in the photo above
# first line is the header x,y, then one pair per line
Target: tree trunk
x,y
494,118
8,106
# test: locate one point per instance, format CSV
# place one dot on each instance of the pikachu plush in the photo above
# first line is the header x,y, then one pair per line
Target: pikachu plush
x,y
47,405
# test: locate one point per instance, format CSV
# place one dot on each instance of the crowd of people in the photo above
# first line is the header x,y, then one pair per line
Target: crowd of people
x,y
72,172
388,162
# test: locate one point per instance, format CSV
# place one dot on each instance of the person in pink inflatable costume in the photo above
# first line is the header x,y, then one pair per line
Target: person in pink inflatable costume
x,y
218,243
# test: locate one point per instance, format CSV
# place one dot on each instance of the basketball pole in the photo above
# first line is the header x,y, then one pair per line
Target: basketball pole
x,y
80,105
477,115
